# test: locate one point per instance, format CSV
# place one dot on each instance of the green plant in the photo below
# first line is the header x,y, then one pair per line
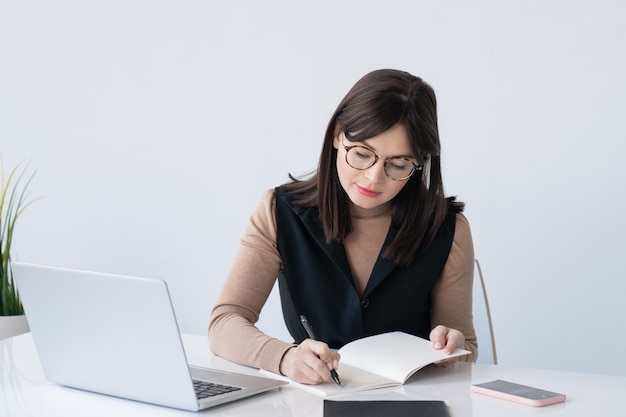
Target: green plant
x,y
12,204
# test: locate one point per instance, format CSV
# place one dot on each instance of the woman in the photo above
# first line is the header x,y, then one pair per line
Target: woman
x,y
366,245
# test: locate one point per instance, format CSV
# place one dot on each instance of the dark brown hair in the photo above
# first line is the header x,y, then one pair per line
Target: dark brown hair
x,y
376,103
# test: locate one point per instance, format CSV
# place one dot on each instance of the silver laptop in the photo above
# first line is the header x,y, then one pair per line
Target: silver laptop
x,y
117,335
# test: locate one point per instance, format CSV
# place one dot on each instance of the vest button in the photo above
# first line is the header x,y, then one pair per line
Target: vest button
x,y
365,302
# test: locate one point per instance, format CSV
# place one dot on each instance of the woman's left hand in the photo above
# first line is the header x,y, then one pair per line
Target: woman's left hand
x,y
447,339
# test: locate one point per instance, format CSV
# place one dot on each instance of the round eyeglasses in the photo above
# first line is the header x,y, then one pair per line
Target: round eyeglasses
x,y
398,168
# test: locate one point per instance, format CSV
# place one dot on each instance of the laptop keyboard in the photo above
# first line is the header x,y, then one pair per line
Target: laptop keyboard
x,y
205,389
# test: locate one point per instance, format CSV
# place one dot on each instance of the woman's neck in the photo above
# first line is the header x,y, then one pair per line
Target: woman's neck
x,y
359,212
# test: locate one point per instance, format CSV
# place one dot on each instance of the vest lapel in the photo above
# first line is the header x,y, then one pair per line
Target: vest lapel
x,y
335,251
383,267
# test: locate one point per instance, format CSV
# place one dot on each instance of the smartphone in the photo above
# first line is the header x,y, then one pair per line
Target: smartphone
x,y
522,394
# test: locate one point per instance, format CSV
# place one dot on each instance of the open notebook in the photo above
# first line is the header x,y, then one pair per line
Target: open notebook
x,y
379,361
118,335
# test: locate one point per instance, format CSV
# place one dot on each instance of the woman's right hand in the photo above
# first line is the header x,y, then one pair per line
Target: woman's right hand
x,y
310,362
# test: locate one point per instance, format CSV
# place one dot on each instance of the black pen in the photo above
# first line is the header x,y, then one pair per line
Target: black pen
x,y
309,331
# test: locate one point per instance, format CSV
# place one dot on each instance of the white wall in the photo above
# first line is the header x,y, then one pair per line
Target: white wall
x,y
154,127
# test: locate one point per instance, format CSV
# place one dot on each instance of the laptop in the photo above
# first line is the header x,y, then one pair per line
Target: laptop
x,y
117,335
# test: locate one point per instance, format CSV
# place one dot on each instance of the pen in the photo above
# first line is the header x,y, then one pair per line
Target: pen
x,y
309,331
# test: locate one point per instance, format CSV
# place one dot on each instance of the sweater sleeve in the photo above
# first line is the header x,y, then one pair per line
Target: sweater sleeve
x,y
232,331
452,294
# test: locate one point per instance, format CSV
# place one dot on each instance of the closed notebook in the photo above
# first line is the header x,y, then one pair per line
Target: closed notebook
x,y
411,408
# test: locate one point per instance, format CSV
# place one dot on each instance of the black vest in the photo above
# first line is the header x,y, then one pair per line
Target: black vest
x,y
315,281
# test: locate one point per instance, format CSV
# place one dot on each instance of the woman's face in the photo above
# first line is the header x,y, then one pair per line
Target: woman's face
x,y
371,190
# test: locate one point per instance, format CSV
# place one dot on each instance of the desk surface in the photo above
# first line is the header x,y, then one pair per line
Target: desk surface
x,y
25,391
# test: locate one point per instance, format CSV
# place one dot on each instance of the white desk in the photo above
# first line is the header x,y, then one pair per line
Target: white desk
x,y
25,392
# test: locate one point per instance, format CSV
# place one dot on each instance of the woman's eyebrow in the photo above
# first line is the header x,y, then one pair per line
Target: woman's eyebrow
x,y
367,145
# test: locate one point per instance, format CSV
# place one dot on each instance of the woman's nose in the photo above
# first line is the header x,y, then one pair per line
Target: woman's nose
x,y
376,172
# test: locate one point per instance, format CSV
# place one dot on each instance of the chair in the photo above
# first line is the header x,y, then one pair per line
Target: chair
x,y
482,319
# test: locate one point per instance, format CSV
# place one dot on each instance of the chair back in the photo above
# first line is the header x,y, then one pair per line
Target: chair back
x,y
482,319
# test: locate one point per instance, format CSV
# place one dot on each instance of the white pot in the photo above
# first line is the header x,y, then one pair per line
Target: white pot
x,y
12,326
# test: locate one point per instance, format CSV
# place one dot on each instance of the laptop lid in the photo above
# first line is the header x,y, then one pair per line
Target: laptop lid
x,y
116,335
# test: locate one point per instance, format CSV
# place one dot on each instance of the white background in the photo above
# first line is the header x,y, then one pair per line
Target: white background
x,y
155,126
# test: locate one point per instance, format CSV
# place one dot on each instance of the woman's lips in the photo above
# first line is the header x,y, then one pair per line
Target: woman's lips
x,y
366,191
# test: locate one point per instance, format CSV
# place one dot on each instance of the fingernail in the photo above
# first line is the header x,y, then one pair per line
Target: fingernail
x,y
438,345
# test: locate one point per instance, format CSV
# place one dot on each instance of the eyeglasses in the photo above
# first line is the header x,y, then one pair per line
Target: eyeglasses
x,y
398,168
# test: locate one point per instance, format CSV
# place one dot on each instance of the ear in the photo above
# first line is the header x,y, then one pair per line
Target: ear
x,y
336,140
